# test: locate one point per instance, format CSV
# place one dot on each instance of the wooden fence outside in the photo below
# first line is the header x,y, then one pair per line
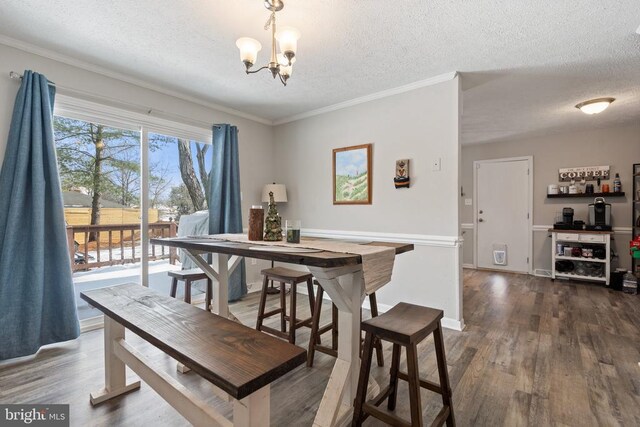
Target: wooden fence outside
x,y
118,236
108,216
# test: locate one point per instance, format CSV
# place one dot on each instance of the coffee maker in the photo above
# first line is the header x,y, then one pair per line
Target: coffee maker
x,y
567,216
567,222
599,215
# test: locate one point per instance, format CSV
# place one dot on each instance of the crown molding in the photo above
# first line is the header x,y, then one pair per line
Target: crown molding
x,y
64,59
372,97
58,57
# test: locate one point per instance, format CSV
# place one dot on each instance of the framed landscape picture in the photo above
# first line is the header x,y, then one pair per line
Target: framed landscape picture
x,y
352,175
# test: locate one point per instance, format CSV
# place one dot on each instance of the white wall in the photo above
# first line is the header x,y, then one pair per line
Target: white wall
x,y
256,139
422,125
618,147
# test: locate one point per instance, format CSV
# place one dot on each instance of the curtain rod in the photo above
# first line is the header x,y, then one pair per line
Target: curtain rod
x,y
18,76
219,125
147,110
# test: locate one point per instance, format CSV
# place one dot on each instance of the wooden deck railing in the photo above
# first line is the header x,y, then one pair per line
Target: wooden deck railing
x,y
87,242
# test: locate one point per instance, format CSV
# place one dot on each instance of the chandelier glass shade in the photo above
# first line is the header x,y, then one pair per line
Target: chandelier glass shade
x,y
280,64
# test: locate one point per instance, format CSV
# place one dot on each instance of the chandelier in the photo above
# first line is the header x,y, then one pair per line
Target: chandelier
x,y
280,64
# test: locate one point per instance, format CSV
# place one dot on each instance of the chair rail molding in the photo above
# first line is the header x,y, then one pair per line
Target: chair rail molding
x,y
416,239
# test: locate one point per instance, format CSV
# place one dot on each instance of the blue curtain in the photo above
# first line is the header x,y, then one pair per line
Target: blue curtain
x,y
37,304
225,212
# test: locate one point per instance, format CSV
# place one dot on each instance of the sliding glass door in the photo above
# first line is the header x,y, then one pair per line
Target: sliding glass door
x,y
178,182
126,178
101,181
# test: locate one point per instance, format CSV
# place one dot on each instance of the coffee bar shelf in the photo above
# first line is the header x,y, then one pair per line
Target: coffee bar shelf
x,y
583,259
579,277
581,239
569,196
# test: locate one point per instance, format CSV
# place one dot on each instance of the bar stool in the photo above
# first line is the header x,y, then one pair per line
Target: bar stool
x,y
315,343
404,325
188,277
291,277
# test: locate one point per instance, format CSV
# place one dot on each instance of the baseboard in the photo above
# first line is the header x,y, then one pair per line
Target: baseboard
x,y
254,287
539,272
449,323
91,324
471,266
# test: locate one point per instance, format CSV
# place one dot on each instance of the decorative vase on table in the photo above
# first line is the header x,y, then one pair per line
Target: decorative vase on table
x,y
273,222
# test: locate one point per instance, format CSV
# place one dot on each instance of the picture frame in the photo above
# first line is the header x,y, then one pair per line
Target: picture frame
x,y
352,175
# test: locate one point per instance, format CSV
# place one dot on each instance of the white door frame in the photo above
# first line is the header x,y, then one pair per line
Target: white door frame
x,y
476,163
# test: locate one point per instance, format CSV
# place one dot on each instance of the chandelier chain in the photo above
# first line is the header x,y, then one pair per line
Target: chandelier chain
x,y
280,64
270,21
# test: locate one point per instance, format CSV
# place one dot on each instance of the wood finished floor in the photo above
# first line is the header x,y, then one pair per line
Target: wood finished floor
x,y
534,352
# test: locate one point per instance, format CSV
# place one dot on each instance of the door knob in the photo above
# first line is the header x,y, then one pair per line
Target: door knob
x,y
480,212
480,220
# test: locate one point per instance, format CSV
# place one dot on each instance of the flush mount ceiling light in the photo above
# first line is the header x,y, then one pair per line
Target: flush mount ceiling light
x,y
595,106
281,64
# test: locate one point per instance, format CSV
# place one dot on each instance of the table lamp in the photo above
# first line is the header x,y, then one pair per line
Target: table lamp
x,y
279,192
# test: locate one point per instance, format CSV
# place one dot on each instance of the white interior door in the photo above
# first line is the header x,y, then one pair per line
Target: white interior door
x,y
503,214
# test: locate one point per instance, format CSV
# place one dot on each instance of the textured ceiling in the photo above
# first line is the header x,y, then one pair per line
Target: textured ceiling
x,y
524,63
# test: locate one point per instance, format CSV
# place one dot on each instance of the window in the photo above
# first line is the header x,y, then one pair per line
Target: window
x,y
125,181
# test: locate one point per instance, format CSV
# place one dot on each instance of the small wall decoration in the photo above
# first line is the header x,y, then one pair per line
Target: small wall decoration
x,y
401,179
588,173
352,175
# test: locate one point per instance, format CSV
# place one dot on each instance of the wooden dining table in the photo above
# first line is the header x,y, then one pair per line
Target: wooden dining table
x,y
341,276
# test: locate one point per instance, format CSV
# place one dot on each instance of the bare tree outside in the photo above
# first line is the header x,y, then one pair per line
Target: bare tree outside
x,y
99,159
197,188
104,163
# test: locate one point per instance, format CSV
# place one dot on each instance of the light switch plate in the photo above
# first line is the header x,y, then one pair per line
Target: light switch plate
x,y
468,202
435,166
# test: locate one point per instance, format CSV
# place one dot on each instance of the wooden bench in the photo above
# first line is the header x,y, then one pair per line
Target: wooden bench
x,y
236,359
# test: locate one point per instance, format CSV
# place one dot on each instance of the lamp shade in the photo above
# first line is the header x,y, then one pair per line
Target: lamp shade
x,y
279,192
288,39
285,68
249,49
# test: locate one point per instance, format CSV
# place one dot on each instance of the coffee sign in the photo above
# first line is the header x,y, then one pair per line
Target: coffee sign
x,y
588,173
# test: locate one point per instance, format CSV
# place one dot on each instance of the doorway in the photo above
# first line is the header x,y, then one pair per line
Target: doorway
x,y
503,214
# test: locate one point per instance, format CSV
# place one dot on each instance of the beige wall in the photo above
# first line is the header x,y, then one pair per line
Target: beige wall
x,y
618,147
256,139
421,125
